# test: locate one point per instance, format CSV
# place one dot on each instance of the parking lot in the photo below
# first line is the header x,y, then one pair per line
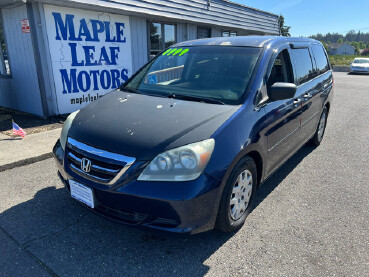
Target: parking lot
x,y
310,218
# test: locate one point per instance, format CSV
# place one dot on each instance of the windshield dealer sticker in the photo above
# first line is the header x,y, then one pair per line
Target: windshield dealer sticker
x,y
175,51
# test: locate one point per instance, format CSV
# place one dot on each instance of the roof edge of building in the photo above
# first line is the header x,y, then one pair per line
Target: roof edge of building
x,y
248,7
12,3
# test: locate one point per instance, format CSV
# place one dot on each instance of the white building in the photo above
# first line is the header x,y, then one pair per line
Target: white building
x,y
58,56
341,49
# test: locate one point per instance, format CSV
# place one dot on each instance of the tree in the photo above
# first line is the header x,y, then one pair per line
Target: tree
x,y
340,40
284,30
325,46
367,45
357,50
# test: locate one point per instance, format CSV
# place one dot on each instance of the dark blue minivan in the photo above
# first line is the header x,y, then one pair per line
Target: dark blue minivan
x,y
183,145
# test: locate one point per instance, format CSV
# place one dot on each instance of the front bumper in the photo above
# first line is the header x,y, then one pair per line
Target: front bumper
x,y
179,207
359,70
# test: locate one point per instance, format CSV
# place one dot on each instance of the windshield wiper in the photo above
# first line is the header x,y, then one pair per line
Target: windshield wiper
x,y
194,98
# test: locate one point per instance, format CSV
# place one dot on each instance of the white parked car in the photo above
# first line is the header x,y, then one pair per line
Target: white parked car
x,y
360,65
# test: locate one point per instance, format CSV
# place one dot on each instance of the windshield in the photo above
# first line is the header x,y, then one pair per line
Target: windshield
x,y
361,61
218,73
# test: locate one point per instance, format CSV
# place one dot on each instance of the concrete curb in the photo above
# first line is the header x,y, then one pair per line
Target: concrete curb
x,y
33,148
25,161
338,68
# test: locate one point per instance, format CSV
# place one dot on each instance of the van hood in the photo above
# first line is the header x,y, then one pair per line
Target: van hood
x,y
143,126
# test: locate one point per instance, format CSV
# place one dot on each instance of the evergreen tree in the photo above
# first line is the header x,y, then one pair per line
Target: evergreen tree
x,y
284,30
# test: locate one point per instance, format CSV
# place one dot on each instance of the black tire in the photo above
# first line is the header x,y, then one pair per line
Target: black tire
x,y
225,222
317,138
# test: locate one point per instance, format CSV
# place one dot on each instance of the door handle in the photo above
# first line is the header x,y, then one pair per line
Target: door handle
x,y
307,95
297,102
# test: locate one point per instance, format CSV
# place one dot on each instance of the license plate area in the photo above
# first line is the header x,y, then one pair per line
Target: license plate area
x,y
82,193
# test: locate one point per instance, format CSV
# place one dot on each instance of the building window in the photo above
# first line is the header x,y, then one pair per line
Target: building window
x,y
229,34
161,36
203,33
4,58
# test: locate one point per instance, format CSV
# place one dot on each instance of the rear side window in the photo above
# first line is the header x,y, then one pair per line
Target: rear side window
x,y
303,65
320,58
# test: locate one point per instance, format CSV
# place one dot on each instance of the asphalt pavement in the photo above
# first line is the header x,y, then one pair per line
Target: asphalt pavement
x,y
310,218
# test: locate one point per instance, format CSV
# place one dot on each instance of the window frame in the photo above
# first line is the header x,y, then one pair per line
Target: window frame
x,y
318,71
203,28
313,64
230,32
162,29
2,60
263,88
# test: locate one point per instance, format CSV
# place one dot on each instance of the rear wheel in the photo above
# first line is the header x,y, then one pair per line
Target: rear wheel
x,y
238,194
319,133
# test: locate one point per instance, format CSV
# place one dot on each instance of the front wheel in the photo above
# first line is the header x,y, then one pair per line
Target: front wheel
x,y
319,133
238,194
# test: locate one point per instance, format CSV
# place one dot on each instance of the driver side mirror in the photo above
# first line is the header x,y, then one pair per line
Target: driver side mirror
x,y
281,91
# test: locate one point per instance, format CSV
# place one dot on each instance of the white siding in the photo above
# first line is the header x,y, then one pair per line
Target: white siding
x,y
216,32
191,32
25,94
181,32
219,12
139,42
6,99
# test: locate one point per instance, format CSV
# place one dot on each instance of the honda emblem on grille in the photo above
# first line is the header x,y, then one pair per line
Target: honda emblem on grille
x,y
86,165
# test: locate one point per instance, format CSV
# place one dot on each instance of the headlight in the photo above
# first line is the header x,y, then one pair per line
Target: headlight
x,y
66,127
184,163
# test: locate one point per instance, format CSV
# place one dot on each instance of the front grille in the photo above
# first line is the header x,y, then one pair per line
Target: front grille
x,y
104,167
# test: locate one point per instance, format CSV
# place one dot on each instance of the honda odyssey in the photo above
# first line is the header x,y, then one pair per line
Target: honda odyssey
x,y
185,142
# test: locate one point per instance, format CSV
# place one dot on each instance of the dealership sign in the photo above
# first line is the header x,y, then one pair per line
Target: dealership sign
x,y
90,54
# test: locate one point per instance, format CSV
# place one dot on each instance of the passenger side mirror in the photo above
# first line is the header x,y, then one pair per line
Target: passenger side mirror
x,y
281,91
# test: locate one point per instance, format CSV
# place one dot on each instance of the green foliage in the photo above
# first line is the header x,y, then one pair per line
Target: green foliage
x,y
325,46
351,36
284,30
342,60
340,40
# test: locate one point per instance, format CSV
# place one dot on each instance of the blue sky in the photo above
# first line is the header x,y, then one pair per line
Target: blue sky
x,y
308,17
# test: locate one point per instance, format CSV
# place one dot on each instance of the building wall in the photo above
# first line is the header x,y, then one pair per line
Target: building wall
x,y
24,94
215,12
181,32
346,50
30,75
139,42
6,97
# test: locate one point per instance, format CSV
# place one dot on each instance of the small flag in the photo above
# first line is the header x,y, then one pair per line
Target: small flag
x,y
18,130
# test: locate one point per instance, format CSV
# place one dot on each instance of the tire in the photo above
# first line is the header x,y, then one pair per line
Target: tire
x,y
228,220
320,130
